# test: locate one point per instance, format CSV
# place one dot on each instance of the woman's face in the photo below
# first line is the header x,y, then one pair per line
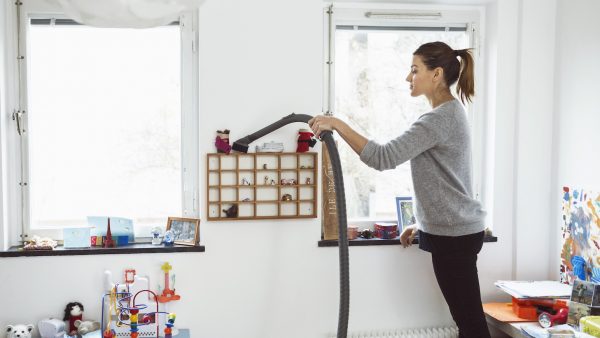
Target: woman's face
x,y
420,78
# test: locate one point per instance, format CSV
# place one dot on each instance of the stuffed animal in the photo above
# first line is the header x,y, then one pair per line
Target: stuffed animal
x,y
73,312
85,327
19,331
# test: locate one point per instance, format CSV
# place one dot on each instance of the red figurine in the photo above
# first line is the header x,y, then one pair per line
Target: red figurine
x,y
222,141
305,140
108,242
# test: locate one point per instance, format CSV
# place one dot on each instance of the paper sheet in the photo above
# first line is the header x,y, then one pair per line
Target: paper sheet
x,y
535,289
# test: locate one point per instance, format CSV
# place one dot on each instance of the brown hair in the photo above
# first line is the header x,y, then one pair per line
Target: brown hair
x,y
439,54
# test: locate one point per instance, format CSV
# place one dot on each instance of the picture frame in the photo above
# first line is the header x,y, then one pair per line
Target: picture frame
x,y
405,212
186,231
584,292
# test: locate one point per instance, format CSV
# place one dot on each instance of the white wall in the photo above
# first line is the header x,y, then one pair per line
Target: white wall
x,y
260,61
576,144
534,118
3,219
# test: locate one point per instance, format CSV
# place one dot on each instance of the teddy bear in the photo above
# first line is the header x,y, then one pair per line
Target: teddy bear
x,y
85,327
19,331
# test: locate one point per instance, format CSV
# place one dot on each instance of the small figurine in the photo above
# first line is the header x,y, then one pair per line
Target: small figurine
x,y
222,141
273,182
305,140
266,180
169,237
288,181
245,181
73,312
264,166
232,212
156,232
366,234
19,331
308,180
246,199
286,197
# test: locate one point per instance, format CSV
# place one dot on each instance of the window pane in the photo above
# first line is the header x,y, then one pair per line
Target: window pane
x,y
371,93
104,124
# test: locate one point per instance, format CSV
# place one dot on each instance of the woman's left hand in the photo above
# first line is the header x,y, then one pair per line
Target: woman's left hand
x,y
408,235
321,123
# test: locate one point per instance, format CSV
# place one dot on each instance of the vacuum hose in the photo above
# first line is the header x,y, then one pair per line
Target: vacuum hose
x,y
327,137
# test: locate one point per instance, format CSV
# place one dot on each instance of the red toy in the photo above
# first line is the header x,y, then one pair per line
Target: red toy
x,y
108,242
546,319
305,140
222,141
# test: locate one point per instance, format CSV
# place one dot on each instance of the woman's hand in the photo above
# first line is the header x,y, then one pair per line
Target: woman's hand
x,y
407,236
321,123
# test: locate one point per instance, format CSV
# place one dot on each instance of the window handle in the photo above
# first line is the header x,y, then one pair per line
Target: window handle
x,y
18,116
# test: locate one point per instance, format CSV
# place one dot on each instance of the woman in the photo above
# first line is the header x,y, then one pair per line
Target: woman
x,y
450,220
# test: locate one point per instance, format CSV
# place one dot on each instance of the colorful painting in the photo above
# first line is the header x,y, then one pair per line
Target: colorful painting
x,y
580,255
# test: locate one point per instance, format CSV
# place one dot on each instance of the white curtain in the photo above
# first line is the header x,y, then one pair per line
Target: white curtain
x,y
126,13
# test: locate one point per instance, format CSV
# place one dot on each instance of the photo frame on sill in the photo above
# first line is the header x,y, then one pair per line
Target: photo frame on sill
x,y
405,212
186,231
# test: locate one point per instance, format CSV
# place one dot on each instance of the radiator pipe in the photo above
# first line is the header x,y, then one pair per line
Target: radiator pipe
x,y
242,145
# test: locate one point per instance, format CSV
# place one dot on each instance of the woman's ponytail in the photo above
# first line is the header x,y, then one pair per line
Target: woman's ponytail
x,y
465,87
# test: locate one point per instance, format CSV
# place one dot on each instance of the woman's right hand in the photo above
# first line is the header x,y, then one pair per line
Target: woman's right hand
x,y
321,123
407,236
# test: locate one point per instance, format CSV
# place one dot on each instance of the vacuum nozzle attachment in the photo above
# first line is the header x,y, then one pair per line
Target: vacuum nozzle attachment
x,y
238,146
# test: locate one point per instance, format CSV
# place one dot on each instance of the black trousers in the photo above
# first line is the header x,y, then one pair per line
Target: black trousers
x,y
455,266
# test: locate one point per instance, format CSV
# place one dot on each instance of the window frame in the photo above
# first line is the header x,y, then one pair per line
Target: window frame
x,y
473,17
17,224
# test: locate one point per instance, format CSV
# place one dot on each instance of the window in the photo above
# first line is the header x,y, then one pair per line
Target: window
x,y
371,60
110,113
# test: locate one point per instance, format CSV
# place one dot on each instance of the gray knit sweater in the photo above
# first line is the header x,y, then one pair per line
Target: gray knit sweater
x,y
438,146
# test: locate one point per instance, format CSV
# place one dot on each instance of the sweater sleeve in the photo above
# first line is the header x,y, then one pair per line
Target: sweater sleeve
x,y
429,130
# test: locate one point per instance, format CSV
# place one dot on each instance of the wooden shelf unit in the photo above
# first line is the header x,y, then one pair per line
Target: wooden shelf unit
x,y
224,186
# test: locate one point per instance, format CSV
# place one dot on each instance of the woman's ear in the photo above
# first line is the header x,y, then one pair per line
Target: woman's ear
x,y
438,74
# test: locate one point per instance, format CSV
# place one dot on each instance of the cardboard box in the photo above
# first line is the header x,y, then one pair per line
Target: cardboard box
x,y
78,237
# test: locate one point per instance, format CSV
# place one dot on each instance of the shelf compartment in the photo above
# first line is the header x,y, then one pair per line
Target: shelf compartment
x,y
267,210
306,208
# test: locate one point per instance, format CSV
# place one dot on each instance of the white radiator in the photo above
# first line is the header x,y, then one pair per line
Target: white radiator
x,y
441,332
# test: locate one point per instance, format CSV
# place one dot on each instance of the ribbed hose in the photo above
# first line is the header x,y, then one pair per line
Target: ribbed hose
x,y
338,180
340,197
